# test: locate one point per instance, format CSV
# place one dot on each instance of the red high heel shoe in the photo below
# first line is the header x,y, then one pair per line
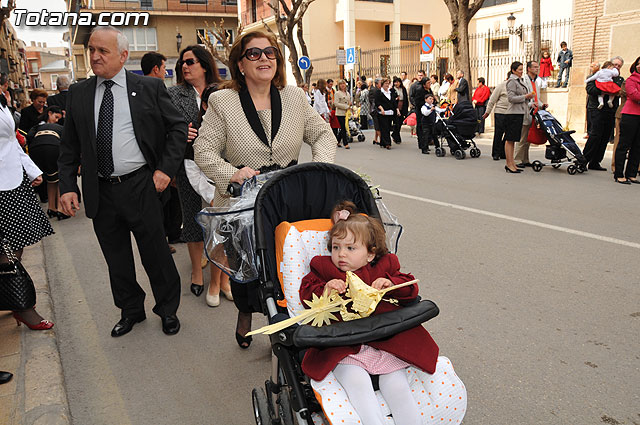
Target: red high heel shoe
x,y
42,326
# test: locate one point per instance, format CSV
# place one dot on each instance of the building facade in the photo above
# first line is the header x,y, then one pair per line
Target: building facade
x,y
44,62
603,29
13,58
171,26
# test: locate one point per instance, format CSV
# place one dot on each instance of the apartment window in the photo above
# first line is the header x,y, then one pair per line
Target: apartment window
x,y
500,45
489,3
54,85
410,32
141,39
407,32
33,65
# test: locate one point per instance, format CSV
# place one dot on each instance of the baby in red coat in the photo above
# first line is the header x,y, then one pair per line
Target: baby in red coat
x,y
357,244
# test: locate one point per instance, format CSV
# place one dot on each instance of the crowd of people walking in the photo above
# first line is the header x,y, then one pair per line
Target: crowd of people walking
x,y
140,152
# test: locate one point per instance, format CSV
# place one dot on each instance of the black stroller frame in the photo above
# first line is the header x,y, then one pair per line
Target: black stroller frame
x,y
562,149
455,141
355,129
302,192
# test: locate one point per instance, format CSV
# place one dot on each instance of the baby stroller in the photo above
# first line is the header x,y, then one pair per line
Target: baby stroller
x,y
355,129
562,149
290,224
458,131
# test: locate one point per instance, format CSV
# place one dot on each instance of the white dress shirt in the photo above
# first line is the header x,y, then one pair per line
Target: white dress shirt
x,y
12,158
127,156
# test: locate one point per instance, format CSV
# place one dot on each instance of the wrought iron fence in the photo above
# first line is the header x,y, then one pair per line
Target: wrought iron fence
x,y
491,53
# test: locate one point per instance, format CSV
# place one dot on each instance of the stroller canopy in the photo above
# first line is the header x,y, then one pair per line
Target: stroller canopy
x,y
303,192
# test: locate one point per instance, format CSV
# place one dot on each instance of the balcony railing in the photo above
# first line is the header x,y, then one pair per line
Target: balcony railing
x,y
204,6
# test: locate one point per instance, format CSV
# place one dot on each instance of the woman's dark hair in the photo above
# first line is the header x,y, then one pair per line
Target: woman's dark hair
x,y
481,80
207,62
204,99
44,116
515,65
238,48
449,77
634,65
397,80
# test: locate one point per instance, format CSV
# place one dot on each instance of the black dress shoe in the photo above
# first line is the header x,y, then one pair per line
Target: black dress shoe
x,y
597,167
125,325
496,158
197,289
170,324
5,377
426,151
523,165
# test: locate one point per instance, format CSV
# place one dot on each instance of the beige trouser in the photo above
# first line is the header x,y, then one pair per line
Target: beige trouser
x,y
522,149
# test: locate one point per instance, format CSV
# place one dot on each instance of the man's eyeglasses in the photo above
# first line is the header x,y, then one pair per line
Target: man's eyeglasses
x,y
254,53
188,62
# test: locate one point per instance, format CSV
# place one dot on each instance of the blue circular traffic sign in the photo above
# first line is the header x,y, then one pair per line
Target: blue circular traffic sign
x,y
427,43
304,63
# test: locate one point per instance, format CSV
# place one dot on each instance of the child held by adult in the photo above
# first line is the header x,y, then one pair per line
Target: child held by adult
x,y
357,244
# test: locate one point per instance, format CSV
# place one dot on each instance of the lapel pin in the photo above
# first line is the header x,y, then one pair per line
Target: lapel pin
x,y
133,93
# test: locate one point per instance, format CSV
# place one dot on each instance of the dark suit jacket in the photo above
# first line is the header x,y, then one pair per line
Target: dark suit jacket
x,y
159,127
59,99
463,90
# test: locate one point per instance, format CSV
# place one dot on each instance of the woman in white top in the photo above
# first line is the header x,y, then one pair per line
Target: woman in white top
x,y
320,100
22,221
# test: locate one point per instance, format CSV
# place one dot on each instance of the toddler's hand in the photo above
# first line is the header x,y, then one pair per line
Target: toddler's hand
x,y
337,284
381,283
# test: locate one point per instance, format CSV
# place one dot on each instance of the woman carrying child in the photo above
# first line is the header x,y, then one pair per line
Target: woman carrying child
x,y
357,244
604,82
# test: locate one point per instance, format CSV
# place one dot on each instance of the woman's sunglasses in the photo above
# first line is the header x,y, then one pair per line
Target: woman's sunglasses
x,y
254,53
188,62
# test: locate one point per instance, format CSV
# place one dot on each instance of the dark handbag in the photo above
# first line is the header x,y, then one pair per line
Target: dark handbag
x,y
17,291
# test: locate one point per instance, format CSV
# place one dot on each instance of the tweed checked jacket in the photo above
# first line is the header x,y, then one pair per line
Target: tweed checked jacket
x,y
184,97
227,142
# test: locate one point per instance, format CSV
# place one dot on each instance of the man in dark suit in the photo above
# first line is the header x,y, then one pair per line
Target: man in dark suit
x,y
130,140
463,87
62,83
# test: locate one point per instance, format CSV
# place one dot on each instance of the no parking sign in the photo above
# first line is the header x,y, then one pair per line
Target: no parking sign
x,y
427,43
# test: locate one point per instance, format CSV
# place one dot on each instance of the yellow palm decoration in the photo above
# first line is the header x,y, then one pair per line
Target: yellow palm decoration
x,y
363,299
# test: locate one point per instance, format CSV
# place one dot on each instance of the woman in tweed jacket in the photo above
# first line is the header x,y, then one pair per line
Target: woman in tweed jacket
x,y
195,70
257,124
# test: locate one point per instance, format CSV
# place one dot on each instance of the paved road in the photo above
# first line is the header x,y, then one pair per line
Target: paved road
x,y
536,275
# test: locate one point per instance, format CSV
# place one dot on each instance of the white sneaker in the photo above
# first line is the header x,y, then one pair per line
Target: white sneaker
x,y
600,106
610,103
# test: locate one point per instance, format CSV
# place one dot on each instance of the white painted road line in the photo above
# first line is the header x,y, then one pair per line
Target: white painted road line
x,y
515,219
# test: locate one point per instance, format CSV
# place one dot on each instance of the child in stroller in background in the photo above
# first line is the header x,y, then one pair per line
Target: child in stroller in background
x,y
357,244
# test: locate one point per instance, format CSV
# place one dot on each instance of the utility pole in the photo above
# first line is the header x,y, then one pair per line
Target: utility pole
x,y
535,26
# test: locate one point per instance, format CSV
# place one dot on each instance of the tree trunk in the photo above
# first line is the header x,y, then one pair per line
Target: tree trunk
x,y
461,13
535,11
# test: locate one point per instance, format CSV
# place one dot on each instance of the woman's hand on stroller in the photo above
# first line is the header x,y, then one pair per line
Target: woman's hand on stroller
x,y
381,283
337,284
243,174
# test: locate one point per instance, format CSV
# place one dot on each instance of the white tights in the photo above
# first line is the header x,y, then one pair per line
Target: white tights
x,y
394,388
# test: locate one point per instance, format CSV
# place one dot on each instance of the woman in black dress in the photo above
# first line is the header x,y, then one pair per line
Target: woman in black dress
x,y
386,108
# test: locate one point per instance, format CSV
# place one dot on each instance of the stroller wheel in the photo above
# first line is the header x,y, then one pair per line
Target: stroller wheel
x,y
537,166
474,152
440,152
580,170
571,169
360,137
459,154
260,407
284,407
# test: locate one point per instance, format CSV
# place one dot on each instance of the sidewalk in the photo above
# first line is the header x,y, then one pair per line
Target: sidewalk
x,y
36,394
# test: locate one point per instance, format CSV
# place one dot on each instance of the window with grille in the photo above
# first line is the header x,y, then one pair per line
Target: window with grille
x,y
410,32
500,45
141,39
407,32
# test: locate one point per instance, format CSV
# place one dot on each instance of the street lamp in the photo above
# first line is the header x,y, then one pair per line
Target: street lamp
x,y
178,40
511,22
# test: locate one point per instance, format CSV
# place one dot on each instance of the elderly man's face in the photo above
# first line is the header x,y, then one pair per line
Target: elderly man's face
x,y
106,61
594,67
617,64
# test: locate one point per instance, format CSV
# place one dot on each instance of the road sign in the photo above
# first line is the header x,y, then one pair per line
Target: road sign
x,y
426,57
427,43
304,63
341,57
351,55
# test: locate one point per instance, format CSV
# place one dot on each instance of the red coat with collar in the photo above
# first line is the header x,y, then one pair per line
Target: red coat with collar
x,y
414,345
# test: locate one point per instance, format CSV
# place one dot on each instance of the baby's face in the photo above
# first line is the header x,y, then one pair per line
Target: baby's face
x,y
348,254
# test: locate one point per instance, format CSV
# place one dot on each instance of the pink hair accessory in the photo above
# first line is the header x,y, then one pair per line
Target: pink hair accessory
x,y
340,215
